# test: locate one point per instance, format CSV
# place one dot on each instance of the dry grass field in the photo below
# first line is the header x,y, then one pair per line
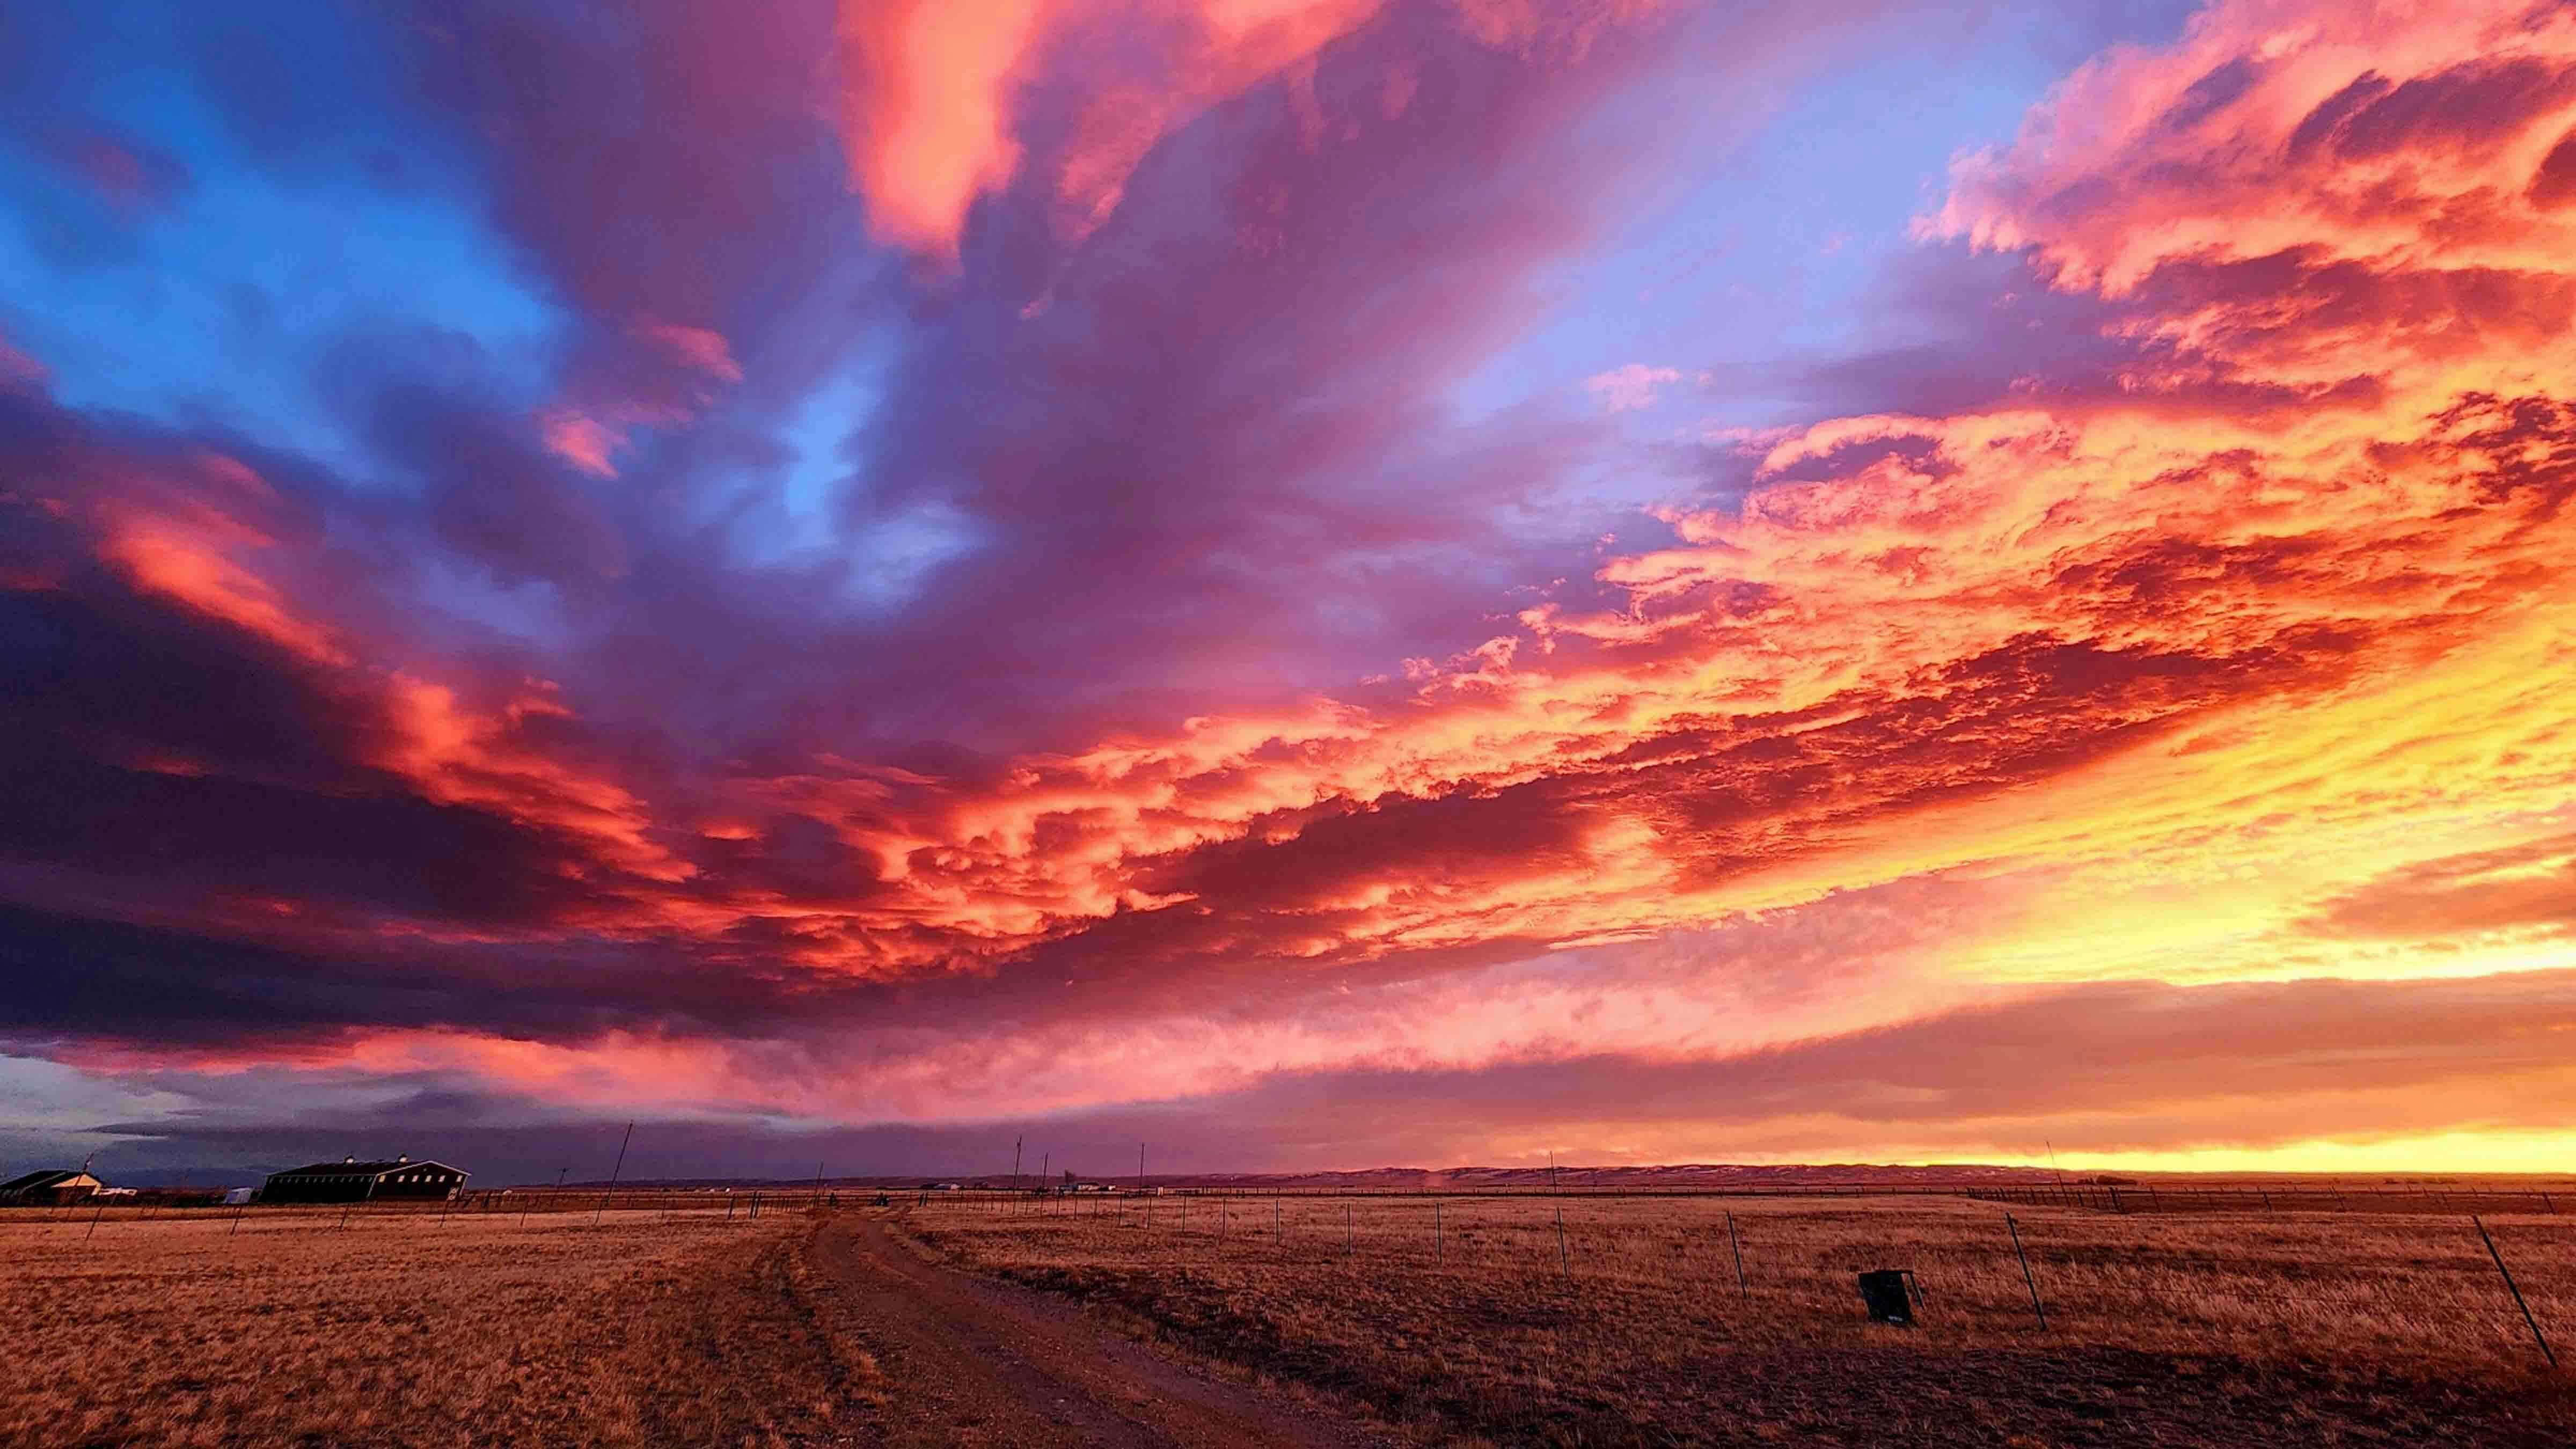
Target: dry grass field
x,y
2209,1328
639,1329
647,1327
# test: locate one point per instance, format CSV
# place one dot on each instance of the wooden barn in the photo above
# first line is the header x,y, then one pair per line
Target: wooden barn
x,y
61,1184
350,1180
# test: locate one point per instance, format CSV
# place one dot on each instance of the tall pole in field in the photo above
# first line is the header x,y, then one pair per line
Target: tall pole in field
x,y
2533,1323
2027,1281
1140,1167
1016,1144
614,1172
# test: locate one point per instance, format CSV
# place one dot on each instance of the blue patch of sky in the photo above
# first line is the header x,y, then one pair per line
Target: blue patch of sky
x,y
215,303
818,433
1758,256
814,509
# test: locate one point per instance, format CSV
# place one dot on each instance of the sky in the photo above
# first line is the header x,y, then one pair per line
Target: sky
x,y
1314,583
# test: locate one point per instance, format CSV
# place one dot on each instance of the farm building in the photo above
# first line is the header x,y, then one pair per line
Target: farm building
x,y
350,1180
60,1184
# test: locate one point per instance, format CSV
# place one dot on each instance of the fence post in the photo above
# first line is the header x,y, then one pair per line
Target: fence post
x,y
1439,1247
2533,1323
1743,1287
1275,1239
1564,1264
1346,1229
2027,1281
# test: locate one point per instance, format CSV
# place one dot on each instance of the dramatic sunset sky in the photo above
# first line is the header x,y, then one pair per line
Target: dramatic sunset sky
x,y
1328,583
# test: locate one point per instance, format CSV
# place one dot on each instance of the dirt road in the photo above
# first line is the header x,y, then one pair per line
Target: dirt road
x,y
979,1362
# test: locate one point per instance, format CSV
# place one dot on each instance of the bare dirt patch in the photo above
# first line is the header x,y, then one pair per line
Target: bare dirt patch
x,y
988,1363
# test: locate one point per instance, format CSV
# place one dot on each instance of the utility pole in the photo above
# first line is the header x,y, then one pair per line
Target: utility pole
x,y
1015,1162
614,1171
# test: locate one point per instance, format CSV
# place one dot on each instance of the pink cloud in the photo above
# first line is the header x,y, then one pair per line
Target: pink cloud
x,y
934,93
587,443
616,390
1631,387
18,370
2407,136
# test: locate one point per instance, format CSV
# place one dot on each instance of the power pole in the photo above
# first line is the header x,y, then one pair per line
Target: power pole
x,y
614,1171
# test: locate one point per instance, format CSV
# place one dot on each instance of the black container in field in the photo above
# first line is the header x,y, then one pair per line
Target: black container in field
x,y
1885,1293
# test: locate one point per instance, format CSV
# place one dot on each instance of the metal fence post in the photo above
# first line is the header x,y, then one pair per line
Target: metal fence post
x,y
2533,1323
2027,1281
1742,1287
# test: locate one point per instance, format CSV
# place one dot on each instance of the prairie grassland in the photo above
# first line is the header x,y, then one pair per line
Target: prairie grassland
x,y
2305,1328
402,1330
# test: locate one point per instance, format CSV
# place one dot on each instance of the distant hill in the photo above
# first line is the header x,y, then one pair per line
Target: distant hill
x,y
1455,1179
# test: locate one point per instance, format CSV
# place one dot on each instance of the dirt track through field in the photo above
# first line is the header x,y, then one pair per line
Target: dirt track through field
x,y
975,1361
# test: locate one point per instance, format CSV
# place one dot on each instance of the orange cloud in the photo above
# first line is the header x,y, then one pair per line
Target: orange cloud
x,y
928,122
1969,617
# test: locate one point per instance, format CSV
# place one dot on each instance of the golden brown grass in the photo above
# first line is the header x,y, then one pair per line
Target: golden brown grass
x,y
2208,1328
402,1330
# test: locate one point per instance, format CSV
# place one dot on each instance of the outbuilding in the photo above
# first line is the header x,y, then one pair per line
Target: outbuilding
x,y
350,1180
61,1184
